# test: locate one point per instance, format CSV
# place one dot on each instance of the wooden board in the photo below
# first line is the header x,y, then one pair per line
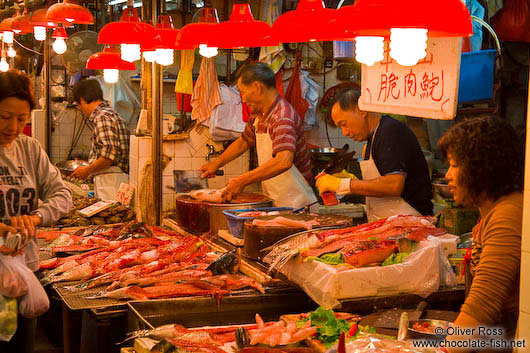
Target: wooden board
x,y
224,234
428,89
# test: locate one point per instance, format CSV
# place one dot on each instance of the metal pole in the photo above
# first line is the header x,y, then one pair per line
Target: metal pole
x,y
47,91
157,131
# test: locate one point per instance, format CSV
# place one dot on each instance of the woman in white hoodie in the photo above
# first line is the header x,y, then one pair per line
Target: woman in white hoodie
x,y
32,192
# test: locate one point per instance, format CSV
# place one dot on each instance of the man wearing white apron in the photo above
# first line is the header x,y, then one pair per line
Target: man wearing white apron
x,y
395,174
109,152
275,129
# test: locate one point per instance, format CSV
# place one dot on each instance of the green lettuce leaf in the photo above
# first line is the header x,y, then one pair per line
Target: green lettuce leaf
x,y
329,327
330,259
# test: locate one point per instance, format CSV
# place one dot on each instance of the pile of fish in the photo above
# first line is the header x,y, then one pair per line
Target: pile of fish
x,y
95,237
146,268
359,246
175,338
286,222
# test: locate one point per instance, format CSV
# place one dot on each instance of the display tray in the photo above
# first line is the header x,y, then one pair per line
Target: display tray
x,y
78,301
233,309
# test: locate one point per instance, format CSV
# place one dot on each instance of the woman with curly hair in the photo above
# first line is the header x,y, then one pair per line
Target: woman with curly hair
x,y
486,171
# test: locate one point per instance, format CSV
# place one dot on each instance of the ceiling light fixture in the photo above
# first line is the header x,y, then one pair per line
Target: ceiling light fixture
x,y
308,23
242,30
109,60
39,22
407,25
129,33
204,34
69,12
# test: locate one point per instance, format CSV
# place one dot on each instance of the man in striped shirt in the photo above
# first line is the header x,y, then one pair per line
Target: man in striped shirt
x,y
275,121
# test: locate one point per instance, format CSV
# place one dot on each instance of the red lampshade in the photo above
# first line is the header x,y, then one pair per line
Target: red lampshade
x,y
166,31
242,30
38,18
206,31
308,23
168,37
69,12
164,21
21,25
59,32
109,58
5,25
377,17
129,30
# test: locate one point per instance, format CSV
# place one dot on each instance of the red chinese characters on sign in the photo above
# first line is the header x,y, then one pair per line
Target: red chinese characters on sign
x,y
388,87
418,82
431,86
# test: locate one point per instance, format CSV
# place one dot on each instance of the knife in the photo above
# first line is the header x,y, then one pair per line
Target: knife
x,y
336,165
390,319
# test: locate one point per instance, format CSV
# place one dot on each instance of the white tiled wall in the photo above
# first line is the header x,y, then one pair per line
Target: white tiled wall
x,y
62,133
189,154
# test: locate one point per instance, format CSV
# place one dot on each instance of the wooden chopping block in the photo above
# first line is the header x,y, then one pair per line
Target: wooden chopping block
x,y
258,237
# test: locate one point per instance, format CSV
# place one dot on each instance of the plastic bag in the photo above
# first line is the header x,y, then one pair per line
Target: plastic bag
x,y
35,302
8,318
425,269
12,283
512,21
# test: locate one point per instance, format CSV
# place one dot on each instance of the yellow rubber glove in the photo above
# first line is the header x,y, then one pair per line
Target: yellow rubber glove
x,y
327,182
344,174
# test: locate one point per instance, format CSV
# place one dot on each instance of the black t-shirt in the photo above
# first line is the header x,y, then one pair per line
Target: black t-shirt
x,y
396,149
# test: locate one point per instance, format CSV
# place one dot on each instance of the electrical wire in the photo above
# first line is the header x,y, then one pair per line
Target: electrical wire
x,y
76,135
25,48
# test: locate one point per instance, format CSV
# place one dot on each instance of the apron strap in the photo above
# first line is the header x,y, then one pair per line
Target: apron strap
x,y
373,138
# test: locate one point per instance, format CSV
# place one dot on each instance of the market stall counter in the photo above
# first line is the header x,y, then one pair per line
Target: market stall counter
x,y
96,282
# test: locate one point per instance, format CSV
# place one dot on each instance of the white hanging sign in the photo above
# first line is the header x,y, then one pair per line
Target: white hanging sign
x,y
428,89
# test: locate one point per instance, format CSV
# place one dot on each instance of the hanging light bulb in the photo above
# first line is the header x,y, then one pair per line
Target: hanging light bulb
x,y
4,66
11,51
39,32
59,46
408,45
130,52
369,50
207,52
8,37
149,56
164,57
111,75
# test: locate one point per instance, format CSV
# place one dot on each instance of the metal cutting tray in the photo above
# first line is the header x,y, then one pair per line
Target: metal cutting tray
x,y
77,301
234,309
201,304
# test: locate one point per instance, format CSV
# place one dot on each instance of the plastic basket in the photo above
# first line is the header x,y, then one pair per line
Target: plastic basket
x,y
236,223
476,75
477,70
